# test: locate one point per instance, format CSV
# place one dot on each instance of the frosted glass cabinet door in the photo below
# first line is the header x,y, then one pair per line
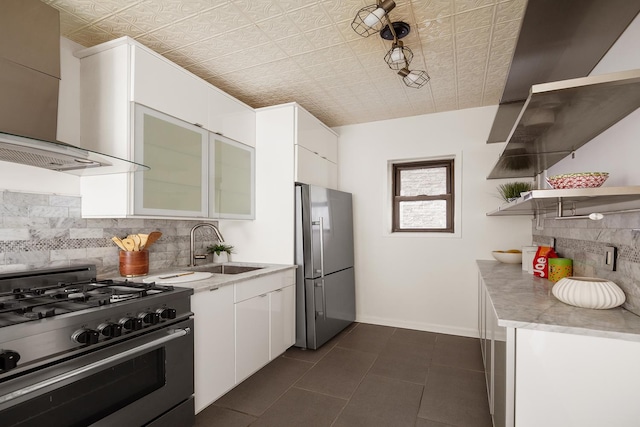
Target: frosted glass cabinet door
x,y
232,185
177,153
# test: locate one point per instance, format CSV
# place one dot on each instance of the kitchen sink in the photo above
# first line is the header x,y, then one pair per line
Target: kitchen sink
x,y
228,269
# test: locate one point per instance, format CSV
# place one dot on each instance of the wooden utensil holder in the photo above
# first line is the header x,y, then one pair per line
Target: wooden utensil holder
x,y
134,263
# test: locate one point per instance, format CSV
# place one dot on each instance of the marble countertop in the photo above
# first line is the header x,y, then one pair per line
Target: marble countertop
x,y
218,280
522,300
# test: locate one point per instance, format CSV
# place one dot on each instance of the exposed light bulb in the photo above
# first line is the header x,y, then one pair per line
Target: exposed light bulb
x,y
374,17
413,76
414,79
397,55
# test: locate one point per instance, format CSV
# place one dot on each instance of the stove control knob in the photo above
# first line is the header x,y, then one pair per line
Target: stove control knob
x,y
85,336
111,330
8,359
167,313
131,323
150,318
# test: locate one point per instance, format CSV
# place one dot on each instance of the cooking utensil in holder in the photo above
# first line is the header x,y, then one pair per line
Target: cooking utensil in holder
x,y
134,263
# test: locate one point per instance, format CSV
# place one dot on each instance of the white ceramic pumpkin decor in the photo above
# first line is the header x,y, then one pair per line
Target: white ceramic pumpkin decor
x,y
588,292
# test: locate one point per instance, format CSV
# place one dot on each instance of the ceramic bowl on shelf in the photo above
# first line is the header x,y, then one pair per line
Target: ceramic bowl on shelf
x,y
588,292
578,180
512,256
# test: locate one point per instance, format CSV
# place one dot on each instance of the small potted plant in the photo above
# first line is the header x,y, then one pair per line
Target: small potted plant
x,y
220,251
511,190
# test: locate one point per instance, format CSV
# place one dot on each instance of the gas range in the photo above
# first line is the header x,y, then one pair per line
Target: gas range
x,y
78,351
53,312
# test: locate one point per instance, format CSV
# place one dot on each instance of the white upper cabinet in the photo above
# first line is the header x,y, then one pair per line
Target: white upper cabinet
x,y
121,78
232,182
177,153
164,86
316,137
313,169
315,146
231,118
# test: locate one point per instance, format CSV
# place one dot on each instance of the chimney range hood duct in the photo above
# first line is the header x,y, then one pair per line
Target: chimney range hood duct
x,y
29,85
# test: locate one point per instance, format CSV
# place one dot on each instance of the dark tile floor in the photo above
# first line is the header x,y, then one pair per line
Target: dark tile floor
x,y
369,376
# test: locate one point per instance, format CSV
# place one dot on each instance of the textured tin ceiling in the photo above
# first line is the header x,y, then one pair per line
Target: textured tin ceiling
x,y
268,52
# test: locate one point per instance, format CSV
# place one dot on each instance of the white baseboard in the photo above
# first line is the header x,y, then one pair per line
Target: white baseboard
x,y
419,326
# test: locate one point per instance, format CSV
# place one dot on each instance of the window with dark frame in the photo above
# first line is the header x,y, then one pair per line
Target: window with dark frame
x,y
423,196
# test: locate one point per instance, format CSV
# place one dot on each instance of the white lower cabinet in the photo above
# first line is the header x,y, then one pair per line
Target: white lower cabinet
x,y
568,380
252,335
498,352
265,320
283,309
239,328
214,344
552,379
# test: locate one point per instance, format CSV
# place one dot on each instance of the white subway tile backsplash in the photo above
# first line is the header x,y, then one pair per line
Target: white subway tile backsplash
x,y
14,234
13,210
39,230
48,211
584,241
85,233
25,199
67,254
68,201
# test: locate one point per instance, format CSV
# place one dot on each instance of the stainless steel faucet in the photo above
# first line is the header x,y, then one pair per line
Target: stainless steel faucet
x,y
192,256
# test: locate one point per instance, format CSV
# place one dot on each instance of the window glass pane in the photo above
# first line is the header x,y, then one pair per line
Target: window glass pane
x,y
423,182
423,214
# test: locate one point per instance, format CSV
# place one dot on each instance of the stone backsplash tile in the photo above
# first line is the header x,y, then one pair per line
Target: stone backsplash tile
x,y
41,230
584,241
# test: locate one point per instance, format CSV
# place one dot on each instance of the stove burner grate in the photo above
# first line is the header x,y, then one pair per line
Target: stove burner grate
x,y
25,304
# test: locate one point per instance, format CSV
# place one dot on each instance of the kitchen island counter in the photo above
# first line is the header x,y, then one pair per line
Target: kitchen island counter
x,y
522,300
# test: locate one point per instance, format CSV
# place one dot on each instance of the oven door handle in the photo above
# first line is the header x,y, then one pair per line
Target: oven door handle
x,y
172,335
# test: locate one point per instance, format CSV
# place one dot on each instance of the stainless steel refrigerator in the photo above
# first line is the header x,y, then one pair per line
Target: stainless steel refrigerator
x,y
325,282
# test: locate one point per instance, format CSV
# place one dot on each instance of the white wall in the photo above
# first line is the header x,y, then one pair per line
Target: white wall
x,y
269,238
17,177
616,150
419,281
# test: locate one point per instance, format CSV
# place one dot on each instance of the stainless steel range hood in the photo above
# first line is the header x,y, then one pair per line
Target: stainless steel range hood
x,y
29,85
560,117
558,40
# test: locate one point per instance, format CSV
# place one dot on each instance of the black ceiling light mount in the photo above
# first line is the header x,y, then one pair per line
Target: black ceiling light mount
x,y
400,30
375,19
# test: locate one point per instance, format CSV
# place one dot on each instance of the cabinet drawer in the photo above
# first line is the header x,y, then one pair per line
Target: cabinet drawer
x,y
263,285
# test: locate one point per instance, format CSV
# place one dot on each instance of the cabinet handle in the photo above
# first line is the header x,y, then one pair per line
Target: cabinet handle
x,y
263,295
278,290
198,124
213,289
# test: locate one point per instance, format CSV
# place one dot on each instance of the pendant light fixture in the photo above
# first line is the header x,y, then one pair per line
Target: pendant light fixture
x,y
375,19
371,19
398,56
415,78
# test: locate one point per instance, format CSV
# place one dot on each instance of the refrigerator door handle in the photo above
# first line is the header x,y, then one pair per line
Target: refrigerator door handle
x,y
322,313
319,222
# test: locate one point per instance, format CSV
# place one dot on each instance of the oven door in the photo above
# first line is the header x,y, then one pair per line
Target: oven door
x,y
131,383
